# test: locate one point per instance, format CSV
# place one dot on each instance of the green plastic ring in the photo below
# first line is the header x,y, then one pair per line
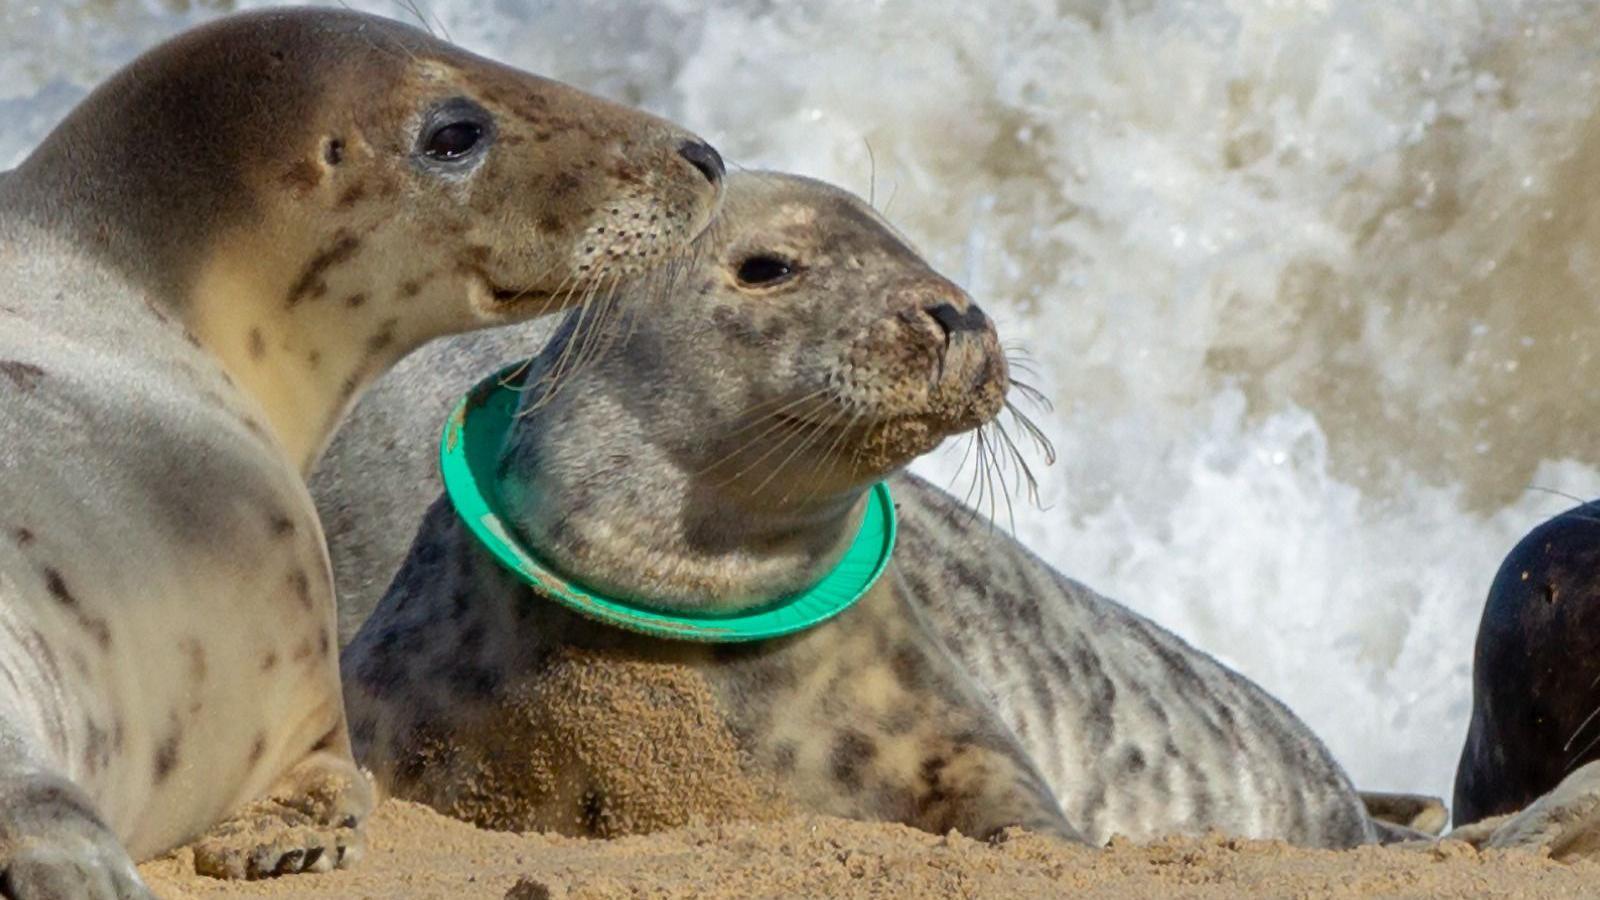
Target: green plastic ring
x,y
468,450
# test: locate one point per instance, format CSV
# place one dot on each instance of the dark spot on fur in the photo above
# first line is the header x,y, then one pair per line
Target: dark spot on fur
x,y
354,301
564,184
281,525
323,644
907,665
735,326
258,344
257,750
1134,761
384,338
98,629
23,536
352,195
193,649
269,661
410,289
255,428
303,650
933,794
303,175
314,358
333,151
300,585
783,757
343,247
851,752
24,375
167,756
58,587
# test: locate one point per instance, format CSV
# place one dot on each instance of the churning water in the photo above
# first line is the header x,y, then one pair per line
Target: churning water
x,y
1313,285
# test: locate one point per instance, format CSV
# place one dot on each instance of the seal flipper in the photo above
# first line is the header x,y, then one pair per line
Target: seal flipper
x,y
1414,815
311,822
53,844
1565,823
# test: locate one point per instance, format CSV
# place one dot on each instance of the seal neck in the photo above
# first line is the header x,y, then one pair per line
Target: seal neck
x,y
597,476
306,352
468,461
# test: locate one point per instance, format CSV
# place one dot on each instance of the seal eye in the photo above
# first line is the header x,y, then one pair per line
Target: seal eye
x,y
454,134
762,270
453,140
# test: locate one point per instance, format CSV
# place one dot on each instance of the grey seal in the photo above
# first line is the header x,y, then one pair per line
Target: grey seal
x,y
715,455
201,267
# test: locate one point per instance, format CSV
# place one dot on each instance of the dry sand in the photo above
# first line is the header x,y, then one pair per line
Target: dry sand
x,y
417,853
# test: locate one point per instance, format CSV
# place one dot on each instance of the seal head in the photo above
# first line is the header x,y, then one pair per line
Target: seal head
x,y
799,406
280,180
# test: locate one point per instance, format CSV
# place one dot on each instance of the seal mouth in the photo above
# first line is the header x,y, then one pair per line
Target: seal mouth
x,y
496,302
508,296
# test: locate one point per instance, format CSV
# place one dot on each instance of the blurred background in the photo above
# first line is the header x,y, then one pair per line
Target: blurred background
x,y
1313,285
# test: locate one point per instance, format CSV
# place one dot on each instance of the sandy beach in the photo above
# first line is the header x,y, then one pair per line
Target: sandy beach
x,y
416,853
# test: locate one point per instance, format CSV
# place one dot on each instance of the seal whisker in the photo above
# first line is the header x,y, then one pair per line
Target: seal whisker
x,y
566,361
872,175
593,340
821,431
999,459
1582,503
809,432
799,428
1035,434
1573,761
1026,478
1032,395
834,451
1581,726
412,7
795,428
788,406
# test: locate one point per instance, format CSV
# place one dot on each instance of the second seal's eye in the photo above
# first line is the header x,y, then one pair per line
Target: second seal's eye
x,y
453,140
762,269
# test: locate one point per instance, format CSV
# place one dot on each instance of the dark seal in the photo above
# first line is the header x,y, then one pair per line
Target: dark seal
x,y
1536,670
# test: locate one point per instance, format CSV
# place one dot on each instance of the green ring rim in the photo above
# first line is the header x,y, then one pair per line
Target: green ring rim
x,y
468,449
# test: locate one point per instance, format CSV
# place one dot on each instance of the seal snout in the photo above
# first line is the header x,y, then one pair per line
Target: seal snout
x,y
704,158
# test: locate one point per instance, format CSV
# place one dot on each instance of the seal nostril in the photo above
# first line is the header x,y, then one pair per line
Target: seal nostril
x,y
953,321
704,157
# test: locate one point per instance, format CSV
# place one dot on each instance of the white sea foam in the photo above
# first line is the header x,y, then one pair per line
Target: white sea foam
x,y
1312,284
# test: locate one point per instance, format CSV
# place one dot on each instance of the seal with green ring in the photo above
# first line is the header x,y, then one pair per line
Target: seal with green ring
x,y
472,439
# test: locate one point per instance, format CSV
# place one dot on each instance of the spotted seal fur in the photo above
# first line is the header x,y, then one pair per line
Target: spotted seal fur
x,y
717,455
201,267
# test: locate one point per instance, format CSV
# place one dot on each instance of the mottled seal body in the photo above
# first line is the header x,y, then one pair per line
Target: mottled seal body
x,y
1536,670
718,457
200,268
